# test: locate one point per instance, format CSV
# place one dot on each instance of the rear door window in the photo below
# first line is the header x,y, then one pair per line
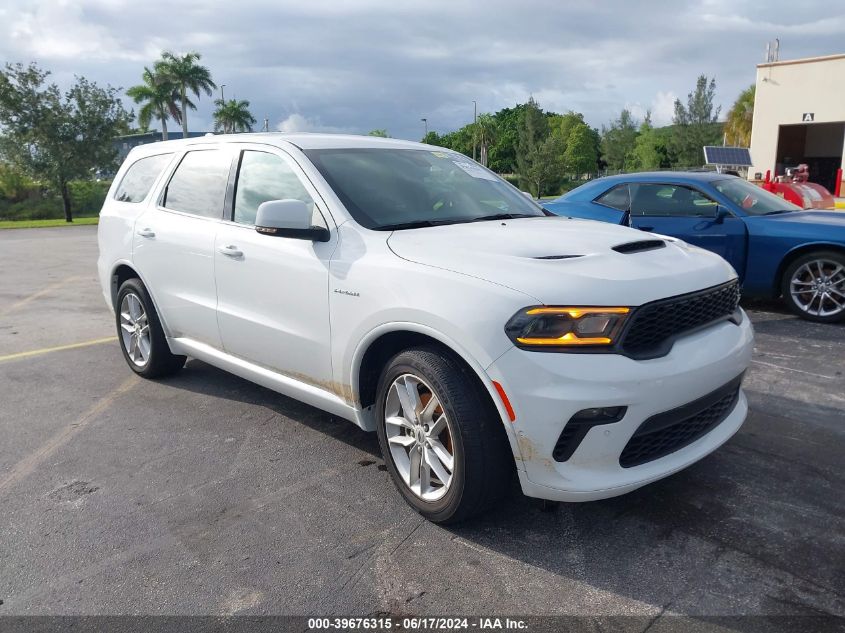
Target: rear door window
x,y
198,186
140,178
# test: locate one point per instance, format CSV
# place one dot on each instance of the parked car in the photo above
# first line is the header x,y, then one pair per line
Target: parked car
x,y
776,248
408,289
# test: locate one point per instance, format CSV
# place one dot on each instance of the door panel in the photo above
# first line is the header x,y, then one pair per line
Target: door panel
x,y
689,215
174,244
175,254
273,307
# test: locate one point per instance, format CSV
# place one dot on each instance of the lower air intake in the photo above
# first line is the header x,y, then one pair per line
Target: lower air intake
x,y
668,432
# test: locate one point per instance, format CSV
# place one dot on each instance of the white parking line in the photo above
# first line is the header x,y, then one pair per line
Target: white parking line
x,y
781,368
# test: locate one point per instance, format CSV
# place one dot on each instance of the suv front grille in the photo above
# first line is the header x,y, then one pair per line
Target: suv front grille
x,y
668,432
655,326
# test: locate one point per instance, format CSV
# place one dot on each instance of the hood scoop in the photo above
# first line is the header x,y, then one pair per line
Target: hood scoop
x,y
556,256
519,259
639,246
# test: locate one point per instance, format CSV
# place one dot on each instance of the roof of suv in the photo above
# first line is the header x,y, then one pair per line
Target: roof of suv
x,y
301,140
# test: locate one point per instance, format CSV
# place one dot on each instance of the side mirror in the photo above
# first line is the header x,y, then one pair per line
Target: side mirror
x,y
288,218
721,214
528,193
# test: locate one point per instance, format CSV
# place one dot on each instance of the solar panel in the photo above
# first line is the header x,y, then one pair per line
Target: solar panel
x,y
734,156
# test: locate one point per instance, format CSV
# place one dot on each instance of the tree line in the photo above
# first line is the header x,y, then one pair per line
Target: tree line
x,y
545,151
53,142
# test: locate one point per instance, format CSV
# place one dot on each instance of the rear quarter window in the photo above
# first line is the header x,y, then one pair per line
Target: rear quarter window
x,y
616,198
140,178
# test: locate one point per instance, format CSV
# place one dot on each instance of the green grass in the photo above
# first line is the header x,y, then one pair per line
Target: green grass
x,y
37,224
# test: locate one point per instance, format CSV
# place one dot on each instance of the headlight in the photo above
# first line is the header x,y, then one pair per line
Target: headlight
x,y
565,327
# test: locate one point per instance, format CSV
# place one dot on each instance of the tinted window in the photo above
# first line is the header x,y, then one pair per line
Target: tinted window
x,y
199,184
670,200
382,188
264,177
617,198
140,177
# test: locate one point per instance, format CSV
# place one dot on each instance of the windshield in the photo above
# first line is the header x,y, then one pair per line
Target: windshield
x,y
752,199
388,189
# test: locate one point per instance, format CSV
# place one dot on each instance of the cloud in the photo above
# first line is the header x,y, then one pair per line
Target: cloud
x,y
663,108
299,123
58,29
357,66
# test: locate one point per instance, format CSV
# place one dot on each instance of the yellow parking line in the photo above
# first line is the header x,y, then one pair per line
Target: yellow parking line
x,y
29,463
59,348
38,294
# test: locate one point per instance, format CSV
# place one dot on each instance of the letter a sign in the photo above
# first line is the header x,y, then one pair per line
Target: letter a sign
x,y
808,117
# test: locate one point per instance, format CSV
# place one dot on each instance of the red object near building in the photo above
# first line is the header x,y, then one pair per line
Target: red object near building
x,y
795,187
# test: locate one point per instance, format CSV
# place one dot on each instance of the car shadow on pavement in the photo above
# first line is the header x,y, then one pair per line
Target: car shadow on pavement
x,y
201,378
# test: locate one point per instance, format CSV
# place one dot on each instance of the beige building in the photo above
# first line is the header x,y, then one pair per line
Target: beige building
x,y
799,117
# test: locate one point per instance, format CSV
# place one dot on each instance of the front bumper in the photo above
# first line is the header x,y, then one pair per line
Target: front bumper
x,y
547,389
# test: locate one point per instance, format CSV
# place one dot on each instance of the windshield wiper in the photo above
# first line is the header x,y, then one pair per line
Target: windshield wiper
x,y
503,216
776,212
415,224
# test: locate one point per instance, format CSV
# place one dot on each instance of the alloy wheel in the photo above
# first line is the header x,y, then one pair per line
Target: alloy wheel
x,y
420,437
818,287
135,329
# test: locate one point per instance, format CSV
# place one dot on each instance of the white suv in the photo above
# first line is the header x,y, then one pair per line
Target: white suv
x,y
408,289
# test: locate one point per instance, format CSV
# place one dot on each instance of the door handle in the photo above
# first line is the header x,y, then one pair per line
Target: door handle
x,y
146,233
231,251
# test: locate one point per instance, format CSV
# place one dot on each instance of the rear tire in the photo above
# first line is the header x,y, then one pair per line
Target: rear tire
x,y
813,286
454,422
140,333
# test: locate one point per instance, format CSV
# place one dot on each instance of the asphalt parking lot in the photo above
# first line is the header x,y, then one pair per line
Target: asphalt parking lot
x,y
205,494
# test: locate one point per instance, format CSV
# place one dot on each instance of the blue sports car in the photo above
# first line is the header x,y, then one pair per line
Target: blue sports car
x,y
776,248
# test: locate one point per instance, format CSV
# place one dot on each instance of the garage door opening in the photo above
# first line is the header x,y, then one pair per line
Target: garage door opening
x,y
819,145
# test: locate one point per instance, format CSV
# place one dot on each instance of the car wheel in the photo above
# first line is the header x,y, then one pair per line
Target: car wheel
x,y
813,286
140,333
440,436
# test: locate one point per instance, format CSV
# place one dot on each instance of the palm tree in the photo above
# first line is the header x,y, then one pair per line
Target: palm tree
x,y
233,116
486,131
740,116
188,77
158,96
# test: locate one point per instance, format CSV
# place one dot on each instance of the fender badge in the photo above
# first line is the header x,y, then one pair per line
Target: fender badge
x,y
348,293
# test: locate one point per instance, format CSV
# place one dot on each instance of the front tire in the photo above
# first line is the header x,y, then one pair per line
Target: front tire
x,y
140,333
813,286
440,436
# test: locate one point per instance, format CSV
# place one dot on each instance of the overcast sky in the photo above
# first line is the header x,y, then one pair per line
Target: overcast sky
x,y
356,65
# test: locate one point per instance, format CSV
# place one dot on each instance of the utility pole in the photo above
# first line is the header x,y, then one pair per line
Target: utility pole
x,y
425,122
474,125
223,105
